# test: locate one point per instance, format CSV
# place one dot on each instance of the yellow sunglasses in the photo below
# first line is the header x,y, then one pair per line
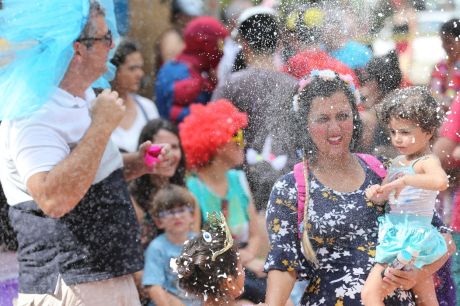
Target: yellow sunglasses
x,y
238,138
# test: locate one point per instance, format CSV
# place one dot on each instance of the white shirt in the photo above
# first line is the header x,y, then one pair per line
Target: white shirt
x,y
39,142
224,70
127,140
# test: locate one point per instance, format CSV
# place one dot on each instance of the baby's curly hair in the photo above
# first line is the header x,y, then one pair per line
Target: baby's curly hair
x,y
198,274
415,104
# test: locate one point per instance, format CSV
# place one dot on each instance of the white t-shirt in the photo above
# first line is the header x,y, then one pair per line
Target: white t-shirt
x,y
127,140
39,142
231,49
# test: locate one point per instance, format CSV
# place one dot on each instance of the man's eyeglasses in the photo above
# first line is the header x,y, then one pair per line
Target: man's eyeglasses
x,y
238,138
107,39
173,212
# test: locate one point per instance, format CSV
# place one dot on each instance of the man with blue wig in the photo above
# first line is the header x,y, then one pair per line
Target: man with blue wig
x,y
64,180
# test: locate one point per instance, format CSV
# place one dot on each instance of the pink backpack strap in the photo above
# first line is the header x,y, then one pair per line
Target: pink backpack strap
x,y
374,164
301,193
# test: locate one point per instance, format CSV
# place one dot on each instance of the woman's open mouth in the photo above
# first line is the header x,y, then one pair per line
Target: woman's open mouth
x,y
334,140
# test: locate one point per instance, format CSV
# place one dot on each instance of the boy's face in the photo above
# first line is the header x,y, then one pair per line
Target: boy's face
x,y
176,220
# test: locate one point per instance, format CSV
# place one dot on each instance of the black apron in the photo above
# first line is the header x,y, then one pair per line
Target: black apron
x,y
99,239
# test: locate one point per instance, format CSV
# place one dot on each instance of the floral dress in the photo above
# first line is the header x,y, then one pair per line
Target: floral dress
x,y
343,228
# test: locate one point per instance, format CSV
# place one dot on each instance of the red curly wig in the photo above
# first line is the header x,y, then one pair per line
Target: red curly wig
x,y
207,128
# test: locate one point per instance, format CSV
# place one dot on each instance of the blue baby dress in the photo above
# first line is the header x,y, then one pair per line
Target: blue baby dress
x,y
408,224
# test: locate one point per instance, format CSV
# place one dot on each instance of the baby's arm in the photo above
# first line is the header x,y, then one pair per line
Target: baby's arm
x,y
429,175
375,194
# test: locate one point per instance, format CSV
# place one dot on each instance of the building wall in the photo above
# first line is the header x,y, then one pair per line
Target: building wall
x,y
148,19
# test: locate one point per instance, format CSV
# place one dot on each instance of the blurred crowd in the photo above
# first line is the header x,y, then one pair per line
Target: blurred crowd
x,y
223,100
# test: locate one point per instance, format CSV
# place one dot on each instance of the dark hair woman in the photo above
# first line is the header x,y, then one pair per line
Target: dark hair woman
x,y
332,242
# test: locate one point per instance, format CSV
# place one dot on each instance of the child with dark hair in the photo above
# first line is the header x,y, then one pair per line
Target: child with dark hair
x,y
378,79
209,266
414,179
172,210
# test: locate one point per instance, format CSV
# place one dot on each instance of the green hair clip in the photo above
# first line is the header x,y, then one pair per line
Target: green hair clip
x,y
217,221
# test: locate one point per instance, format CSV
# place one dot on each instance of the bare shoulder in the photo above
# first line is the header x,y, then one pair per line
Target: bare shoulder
x,y
429,158
428,161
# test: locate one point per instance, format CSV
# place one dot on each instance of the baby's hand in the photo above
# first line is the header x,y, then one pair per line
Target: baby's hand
x,y
374,194
372,191
396,186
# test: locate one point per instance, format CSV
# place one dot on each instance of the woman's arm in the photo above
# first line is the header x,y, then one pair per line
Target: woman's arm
x,y
285,261
279,287
250,251
407,279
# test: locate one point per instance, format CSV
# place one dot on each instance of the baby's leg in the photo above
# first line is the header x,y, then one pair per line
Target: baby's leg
x,y
425,294
375,289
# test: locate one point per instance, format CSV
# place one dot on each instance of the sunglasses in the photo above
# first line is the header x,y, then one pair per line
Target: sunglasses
x,y
107,39
166,214
238,138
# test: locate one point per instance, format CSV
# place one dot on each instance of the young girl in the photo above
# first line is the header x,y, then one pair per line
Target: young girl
x,y
411,186
209,266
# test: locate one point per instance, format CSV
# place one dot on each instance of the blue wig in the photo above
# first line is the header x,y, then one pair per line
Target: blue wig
x,y
36,47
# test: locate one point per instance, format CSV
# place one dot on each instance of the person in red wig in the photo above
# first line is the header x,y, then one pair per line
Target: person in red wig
x,y
190,78
212,140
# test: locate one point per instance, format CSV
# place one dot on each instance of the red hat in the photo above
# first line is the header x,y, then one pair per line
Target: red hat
x,y
207,128
301,64
205,36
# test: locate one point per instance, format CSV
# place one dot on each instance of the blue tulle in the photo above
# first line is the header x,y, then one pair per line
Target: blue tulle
x,y
36,40
397,232
111,20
